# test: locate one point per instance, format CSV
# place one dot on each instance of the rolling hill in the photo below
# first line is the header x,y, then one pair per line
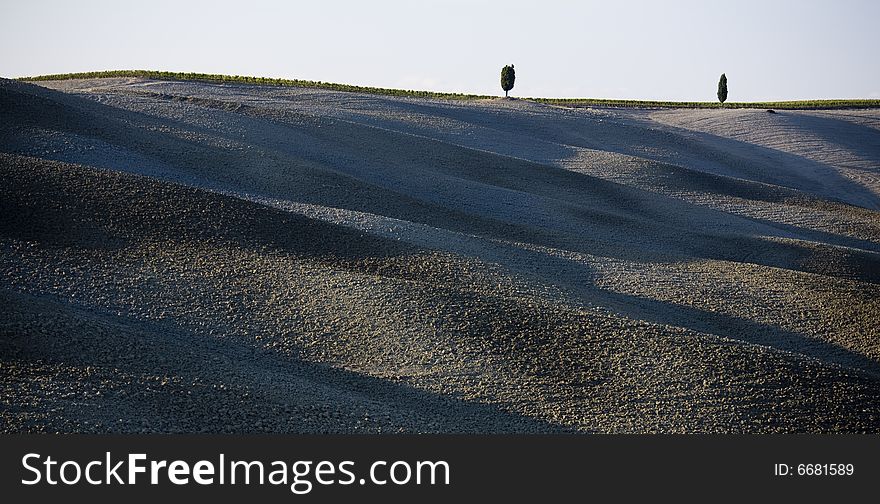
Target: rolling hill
x,y
180,256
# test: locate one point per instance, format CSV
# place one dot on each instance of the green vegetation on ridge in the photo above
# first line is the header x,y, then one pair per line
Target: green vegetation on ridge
x,y
241,79
571,102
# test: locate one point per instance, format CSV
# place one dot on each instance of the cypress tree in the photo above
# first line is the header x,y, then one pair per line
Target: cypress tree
x,y
507,78
722,89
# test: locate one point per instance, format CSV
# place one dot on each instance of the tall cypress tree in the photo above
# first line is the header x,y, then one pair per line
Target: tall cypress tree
x,y
722,89
507,78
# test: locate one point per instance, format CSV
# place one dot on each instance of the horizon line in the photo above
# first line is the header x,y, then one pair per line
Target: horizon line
x,y
415,93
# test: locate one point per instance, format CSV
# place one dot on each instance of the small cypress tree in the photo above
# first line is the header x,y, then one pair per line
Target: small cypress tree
x,y
722,89
507,78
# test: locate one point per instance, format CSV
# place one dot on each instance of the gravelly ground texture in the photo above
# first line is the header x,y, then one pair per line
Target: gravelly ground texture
x,y
189,257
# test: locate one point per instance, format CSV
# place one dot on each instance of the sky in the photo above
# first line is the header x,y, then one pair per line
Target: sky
x,y
673,50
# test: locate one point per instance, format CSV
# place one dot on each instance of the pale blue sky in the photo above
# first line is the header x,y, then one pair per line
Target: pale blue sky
x,y
671,50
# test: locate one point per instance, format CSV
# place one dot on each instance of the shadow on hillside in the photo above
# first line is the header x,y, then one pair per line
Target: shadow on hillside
x,y
553,137
580,280
144,349
312,181
614,220
58,204
863,141
754,162
123,210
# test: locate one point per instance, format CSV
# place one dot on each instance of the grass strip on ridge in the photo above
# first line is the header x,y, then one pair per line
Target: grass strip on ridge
x,y
569,102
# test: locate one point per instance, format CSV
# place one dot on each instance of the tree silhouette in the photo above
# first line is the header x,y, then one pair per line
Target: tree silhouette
x,y
722,89
507,78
